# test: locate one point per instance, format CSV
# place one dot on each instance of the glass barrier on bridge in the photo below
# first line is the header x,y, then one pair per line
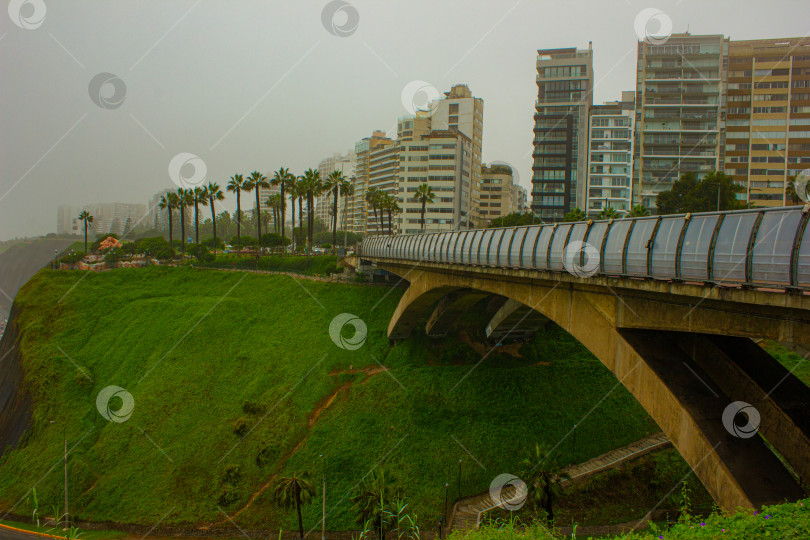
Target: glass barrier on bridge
x,y
758,247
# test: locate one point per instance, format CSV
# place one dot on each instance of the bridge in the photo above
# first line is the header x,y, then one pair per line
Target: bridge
x,y
670,304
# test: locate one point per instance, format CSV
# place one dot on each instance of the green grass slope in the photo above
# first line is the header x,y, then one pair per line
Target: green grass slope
x,y
235,379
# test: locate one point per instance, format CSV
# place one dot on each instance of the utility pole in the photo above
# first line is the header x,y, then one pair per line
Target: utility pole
x,y
67,516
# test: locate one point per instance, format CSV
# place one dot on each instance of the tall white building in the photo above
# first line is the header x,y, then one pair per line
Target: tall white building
x,y
157,218
324,205
66,217
610,155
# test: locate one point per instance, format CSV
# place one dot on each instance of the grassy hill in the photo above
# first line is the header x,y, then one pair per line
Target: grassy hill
x,y
235,379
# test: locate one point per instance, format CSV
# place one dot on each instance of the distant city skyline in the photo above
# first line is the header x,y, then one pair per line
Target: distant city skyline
x,y
98,98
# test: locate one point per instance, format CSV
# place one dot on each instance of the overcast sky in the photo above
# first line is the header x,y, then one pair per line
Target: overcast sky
x,y
259,85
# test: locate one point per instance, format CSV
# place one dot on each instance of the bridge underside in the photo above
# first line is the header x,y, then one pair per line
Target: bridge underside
x,y
685,359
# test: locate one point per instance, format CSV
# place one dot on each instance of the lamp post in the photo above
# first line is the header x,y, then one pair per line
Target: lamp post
x,y
67,519
444,517
323,512
459,479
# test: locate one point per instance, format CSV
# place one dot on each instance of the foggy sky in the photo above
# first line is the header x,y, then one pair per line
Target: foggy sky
x,y
259,85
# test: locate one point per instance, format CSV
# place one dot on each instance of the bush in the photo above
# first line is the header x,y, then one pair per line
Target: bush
x,y
72,258
202,253
228,495
241,427
274,240
254,408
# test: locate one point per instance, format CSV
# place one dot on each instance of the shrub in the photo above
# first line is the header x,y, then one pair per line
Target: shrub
x,y
202,253
241,427
254,408
231,475
228,495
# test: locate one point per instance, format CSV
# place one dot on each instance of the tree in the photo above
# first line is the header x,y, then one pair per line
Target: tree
x,y
214,194
639,211
283,177
293,186
544,476
236,185
514,219
293,491
607,212
87,218
255,182
200,197
425,196
333,185
688,194
373,199
312,187
184,199
347,190
167,202
390,205
575,215
370,498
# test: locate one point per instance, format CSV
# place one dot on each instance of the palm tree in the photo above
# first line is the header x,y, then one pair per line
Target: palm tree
x,y
639,211
424,195
333,185
370,499
292,185
544,476
283,177
184,198
200,197
292,492
577,214
312,187
390,205
373,200
236,185
214,194
255,182
607,213
87,218
167,203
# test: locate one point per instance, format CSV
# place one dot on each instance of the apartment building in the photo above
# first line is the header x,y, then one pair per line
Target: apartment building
x,y
357,211
499,194
610,155
116,218
157,217
564,97
383,170
324,204
680,112
768,123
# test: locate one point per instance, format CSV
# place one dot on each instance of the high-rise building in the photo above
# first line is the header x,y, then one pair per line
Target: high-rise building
x,y
460,110
768,122
157,218
66,218
564,96
442,159
116,218
521,196
324,204
680,111
610,155
358,209
499,194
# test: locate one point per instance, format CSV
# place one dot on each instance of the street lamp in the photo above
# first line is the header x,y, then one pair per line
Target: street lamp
x,y
323,514
66,482
459,479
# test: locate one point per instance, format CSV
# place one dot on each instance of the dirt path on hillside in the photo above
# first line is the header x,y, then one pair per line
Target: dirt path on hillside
x,y
312,418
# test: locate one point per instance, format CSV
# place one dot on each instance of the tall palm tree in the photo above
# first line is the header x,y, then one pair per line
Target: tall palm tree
x,y
214,194
236,185
184,199
200,197
639,211
425,196
312,187
293,491
282,178
292,186
544,476
87,218
332,185
255,182
390,205
373,200
167,203
347,190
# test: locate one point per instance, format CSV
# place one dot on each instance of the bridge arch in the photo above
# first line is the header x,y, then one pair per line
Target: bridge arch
x,y
687,404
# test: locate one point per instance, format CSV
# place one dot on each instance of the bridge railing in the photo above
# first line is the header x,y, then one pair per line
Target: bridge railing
x,y
762,247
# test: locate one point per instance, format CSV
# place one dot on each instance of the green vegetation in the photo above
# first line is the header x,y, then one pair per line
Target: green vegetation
x,y
321,265
790,520
50,529
715,191
513,220
236,383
